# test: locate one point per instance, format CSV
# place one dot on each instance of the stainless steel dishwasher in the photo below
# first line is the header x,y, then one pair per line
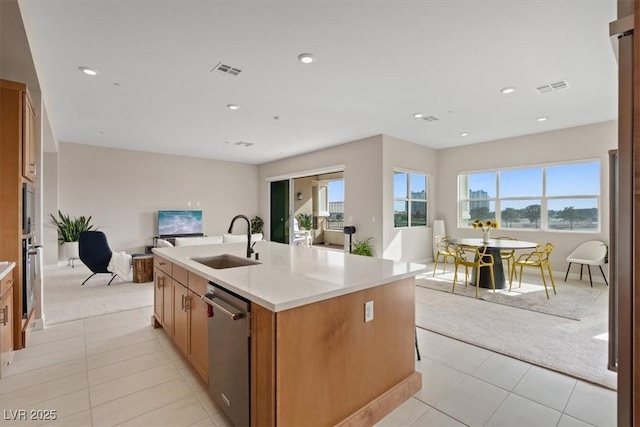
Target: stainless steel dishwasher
x,y
229,336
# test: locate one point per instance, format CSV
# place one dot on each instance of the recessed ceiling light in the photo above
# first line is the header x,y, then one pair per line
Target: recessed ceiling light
x,y
232,107
418,115
542,119
306,58
507,90
88,71
464,134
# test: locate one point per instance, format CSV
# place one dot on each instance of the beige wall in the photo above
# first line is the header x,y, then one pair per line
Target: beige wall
x,y
368,179
123,190
407,244
583,142
50,205
362,162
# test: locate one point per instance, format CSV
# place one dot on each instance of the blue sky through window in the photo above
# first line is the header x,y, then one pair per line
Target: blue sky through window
x,y
336,191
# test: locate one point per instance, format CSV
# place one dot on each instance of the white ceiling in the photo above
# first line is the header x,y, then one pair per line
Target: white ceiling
x,y
378,62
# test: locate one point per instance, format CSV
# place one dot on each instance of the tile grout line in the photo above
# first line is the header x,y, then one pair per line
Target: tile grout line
x,y
86,362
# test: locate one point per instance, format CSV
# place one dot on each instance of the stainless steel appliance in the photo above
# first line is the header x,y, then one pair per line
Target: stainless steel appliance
x,y
229,336
28,208
29,254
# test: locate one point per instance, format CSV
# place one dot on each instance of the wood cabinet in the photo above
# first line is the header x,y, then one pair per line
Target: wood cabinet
x,y
321,364
28,139
180,330
18,148
163,306
6,319
198,352
180,311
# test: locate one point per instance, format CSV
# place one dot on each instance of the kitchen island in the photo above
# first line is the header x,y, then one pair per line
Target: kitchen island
x,y
314,360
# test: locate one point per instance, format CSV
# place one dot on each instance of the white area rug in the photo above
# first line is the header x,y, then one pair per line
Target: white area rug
x,y
576,348
65,299
574,299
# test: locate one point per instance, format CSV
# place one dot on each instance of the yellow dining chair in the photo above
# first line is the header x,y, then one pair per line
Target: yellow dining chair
x,y
539,258
473,257
444,249
508,255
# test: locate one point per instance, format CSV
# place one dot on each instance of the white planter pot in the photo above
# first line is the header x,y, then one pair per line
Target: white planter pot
x,y
71,250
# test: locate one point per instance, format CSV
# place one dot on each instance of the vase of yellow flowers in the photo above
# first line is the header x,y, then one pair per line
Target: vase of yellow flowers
x,y
486,227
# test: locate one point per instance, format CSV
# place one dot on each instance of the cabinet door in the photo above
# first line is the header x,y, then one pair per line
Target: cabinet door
x,y
180,333
157,295
6,326
198,335
28,139
167,302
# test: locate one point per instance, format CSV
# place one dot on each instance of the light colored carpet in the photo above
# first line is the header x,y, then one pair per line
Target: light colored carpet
x,y
576,348
573,300
66,300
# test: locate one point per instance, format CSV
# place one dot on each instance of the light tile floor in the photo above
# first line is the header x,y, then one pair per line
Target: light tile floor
x,y
117,370
466,385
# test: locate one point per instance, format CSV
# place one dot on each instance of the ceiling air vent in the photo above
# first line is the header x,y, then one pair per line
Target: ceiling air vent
x,y
553,87
243,144
430,118
227,70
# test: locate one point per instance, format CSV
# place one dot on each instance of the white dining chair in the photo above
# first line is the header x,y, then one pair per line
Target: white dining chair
x,y
591,252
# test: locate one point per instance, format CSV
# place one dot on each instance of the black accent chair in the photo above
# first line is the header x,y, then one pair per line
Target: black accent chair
x,y
95,253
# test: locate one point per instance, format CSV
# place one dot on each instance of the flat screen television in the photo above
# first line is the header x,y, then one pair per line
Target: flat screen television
x,y
179,223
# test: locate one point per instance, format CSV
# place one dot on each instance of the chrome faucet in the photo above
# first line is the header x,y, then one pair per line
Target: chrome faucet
x,y
249,248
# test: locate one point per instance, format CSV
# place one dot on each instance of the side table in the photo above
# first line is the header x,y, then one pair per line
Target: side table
x,y
142,268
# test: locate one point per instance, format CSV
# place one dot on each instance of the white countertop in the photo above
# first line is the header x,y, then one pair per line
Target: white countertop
x,y
291,276
5,268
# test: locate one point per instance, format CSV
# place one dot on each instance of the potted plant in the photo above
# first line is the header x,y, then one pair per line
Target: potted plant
x,y
69,231
256,225
305,221
363,247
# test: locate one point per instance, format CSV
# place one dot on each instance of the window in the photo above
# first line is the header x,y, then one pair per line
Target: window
x,y
555,197
335,221
409,199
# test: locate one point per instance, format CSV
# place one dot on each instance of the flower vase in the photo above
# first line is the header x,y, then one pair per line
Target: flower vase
x,y
486,235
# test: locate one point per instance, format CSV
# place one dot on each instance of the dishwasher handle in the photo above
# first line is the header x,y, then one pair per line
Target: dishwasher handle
x,y
208,298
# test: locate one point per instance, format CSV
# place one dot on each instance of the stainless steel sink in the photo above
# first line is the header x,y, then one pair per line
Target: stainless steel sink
x,y
225,261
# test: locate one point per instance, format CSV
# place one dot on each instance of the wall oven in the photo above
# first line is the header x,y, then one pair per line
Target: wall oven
x,y
29,254
28,208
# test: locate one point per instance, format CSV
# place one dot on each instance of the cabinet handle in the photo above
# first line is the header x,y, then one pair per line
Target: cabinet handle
x,y
162,263
10,282
160,280
183,309
33,167
187,303
4,315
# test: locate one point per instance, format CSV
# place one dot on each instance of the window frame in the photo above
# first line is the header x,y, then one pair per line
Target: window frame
x,y
543,199
409,200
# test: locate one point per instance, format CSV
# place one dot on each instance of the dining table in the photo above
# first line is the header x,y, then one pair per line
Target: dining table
x,y
494,247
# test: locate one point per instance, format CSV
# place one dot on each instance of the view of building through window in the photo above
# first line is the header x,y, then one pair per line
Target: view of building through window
x,y
558,197
335,221
409,199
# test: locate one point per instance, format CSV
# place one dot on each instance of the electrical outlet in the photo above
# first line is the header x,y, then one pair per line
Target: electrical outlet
x,y
368,311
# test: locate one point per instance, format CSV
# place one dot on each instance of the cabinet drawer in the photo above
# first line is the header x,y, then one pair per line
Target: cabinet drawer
x,y
180,275
197,284
6,283
163,264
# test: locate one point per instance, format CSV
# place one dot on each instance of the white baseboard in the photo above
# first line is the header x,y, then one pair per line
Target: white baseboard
x,y
39,323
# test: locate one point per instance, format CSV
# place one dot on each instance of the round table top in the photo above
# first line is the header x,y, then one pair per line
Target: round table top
x,y
495,243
